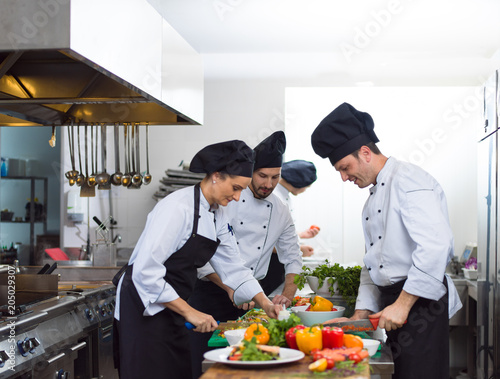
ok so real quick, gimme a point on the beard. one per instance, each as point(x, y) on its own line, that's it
point(258, 194)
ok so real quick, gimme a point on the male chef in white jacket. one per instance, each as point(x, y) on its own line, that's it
point(260, 222)
point(408, 242)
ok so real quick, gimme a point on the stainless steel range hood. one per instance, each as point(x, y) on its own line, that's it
point(100, 61)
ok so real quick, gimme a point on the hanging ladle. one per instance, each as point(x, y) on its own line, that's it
point(91, 179)
point(72, 174)
point(116, 178)
point(137, 177)
point(80, 178)
point(146, 179)
point(103, 177)
point(126, 178)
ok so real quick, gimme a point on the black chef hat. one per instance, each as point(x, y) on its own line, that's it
point(233, 157)
point(299, 173)
point(342, 132)
point(269, 153)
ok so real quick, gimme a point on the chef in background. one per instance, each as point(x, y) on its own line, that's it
point(260, 221)
point(183, 232)
point(296, 177)
point(408, 241)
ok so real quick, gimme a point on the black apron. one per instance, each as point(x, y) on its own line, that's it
point(157, 346)
point(420, 348)
point(209, 298)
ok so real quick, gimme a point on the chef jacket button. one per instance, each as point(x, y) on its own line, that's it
point(367, 218)
point(383, 184)
point(268, 205)
point(237, 243)
point(369, 268)
point(381, 266)
point(371, 244)
point(371, 193)
point(241, 222)
point(243, 200)
point(380, 210)
point(379, 237)
point(264, 226)
point(251, 268)
point(258, 248)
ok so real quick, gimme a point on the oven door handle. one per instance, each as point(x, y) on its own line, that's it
point(79, 346)
point(53, 359)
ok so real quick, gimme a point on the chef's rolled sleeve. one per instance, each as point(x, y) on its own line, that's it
point(368, 294)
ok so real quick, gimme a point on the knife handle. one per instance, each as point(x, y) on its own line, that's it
point(191, 326)
point(374, 322)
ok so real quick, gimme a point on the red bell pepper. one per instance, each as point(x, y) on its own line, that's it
point(291, 338)
point(333, 337)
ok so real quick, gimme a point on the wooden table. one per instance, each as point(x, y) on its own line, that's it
point(297, 369)
point(381, 367)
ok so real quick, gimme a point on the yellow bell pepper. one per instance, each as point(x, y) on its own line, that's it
point(321, 304)
point(258, 331)
point(309, 339)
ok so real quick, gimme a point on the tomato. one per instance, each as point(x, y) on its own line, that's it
point(334, 309)
point(235, 357)
point(317, 355)
point(319, 365)
point(355, 357)
point(314, 227)
point(330, 363)
point(308, 308)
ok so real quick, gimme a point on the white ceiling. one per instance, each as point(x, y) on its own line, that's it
point(390, 42)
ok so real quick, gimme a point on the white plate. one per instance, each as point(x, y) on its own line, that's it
point(286, 356)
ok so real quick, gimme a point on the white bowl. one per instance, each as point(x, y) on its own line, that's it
point(234, 336)
point(371, 346)
point(324, 290)
point(309, 318)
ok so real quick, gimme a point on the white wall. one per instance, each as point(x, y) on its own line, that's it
point(250, 111)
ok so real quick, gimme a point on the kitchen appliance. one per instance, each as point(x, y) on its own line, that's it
point(488, 281)
point(55, 65)
point(66, 336)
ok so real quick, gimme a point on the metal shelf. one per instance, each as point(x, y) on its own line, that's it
point(32, 221)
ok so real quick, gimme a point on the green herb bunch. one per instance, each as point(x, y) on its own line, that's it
point(278, 328)
point(347, 279)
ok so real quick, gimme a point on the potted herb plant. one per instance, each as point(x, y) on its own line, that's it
point(338, 280)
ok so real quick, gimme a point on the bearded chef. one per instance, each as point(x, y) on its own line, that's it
point(260, 222)
point(183, 232)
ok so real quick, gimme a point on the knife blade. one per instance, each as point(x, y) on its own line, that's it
point(363, 325)
point(225, 325)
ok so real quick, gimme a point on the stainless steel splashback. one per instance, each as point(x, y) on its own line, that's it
point(95, 61)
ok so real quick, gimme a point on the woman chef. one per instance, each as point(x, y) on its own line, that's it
point(182, 233)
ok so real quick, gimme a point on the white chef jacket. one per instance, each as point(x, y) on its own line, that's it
point(286, 197)
point(260, 225)
point(407, 236)
point(168, 227)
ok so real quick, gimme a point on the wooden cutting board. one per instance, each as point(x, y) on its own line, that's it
point(297, 369)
